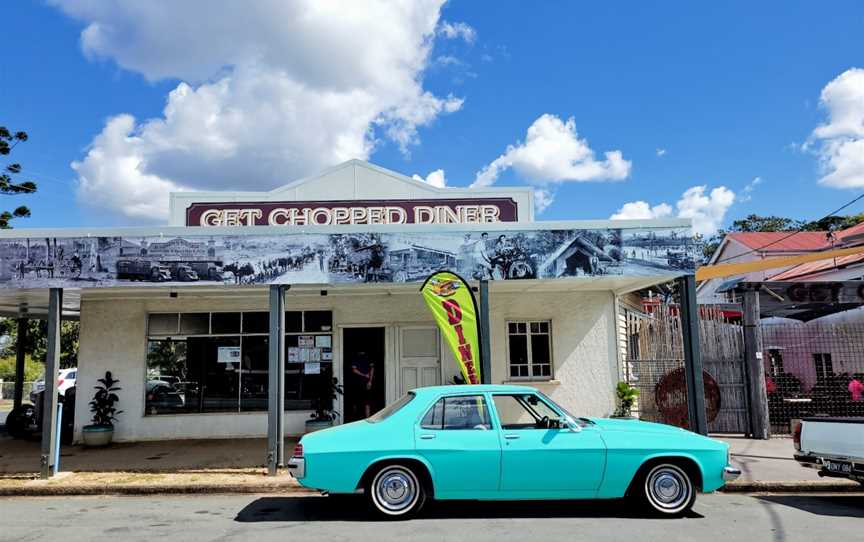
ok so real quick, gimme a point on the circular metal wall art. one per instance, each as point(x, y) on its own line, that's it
point(670, 395)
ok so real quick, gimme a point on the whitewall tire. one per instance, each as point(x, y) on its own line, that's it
point(395, 491)
point(668, 490)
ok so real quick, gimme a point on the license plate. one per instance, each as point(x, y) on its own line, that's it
point(839, 466)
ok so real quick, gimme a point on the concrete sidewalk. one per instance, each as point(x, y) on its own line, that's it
point(165, 456)
point(768, 465)
point(158, 467)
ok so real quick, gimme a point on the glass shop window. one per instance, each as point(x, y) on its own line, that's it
point(219, 362)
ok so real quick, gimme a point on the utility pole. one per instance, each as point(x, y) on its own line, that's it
point(760, 427)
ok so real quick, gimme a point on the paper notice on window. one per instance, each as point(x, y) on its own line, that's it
point(312, 368)
point(293, 354)
point(322, 341)
point(306, 341)
point(327, 356)
point(228, 354)
point(304, 355)
point(314, 354)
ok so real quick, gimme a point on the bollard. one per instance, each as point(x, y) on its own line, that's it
point(57, 441)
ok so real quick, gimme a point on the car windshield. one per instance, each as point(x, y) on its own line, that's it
point(581, 420)
point(390, 409)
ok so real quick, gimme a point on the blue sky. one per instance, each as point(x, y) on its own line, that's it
point(731, 92)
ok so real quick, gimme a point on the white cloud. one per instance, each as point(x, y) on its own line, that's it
point(271, 91)
point(458, 30)
point(749, 188)
point(552, 153)
point(707, 211)
point(435, 178)
point(114, 155)
point(661, 152)
point(642, 210)
point(841, 139)
point(543, 198)
point(448, 61)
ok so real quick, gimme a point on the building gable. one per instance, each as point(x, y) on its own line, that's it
point(354, 180)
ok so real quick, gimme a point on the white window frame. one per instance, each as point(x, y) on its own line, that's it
point(529, 334)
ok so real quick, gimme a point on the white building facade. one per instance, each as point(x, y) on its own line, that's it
point(180, 314)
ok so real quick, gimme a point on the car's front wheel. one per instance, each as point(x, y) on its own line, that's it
point(395, 491)
point(668, 490)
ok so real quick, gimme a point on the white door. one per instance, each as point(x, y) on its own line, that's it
point(419, 357)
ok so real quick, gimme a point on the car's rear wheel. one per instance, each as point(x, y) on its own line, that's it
point(668, 490)
point(395, 491)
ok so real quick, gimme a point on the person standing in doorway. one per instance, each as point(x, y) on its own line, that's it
point(363, 373)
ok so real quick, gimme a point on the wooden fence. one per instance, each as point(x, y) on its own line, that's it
point(653, 350)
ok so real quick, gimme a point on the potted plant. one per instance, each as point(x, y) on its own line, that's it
point(101, 431)
point(324, 414)
point(627, 395)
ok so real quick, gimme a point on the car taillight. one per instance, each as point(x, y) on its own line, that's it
point(298, 451)
point(796, 436)
point(60, 382)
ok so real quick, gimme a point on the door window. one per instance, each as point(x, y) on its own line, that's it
point(524, 411)
point(462, 412)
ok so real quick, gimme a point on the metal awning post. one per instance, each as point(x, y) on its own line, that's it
point(692, 355)
point(276, 390)
point(20, 359)
point(485, 340)
point(49, 397)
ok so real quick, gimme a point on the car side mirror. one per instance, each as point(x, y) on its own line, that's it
point(572, 426)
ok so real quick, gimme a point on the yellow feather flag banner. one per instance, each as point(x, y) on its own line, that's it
point(452, 303)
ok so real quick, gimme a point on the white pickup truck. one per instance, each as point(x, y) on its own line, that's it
point(833, 446)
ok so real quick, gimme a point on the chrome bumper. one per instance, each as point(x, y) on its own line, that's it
point(730, 473)
point(297, 467)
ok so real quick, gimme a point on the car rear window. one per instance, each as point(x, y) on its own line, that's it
point(391, 409)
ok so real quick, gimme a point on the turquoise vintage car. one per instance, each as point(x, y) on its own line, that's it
point(506, 442)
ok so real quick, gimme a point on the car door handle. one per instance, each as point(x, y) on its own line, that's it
point(511, 436)
point(427, 437)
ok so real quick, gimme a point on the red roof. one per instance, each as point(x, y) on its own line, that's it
point(810, 268)
point(858, 229)
point(783, 241)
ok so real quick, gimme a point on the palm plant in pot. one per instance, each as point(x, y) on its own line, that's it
point(626, 395)
point(324, 414)
point(101, 431)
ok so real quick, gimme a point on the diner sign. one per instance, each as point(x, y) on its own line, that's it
point(321, 213)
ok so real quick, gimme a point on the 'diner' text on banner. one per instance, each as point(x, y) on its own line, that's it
point(452, 304)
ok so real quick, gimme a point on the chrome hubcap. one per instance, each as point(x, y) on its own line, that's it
point(669, 488)
point(396, 489)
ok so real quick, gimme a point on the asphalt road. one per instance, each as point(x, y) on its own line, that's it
point(262, 518)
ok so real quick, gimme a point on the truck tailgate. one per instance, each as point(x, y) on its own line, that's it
point(837, 437)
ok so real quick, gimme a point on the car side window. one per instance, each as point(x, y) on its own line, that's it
point(458, 413)
point(434, 418)
point(524, 411)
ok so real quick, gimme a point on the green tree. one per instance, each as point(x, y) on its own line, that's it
point(834, 223)
point(8, 141)
point(32, 369)
point(756, 223)
point(37, 340)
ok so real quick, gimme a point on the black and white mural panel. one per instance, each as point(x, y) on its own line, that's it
point(82, 262)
